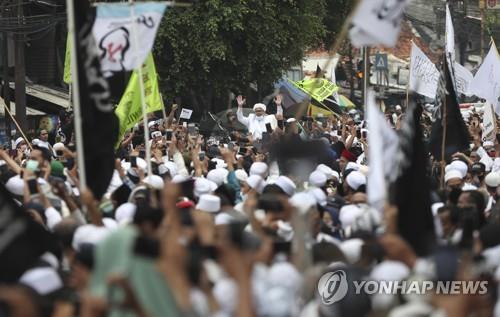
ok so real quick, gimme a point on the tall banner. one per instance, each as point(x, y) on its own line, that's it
point(463, 79)
point(129, 110)
point(317, 88)
point(424, 76)
point(377, 22)
point(486, 82)
point(67, 61)
point(113, 30)
point(489, 123)
point(381, 154)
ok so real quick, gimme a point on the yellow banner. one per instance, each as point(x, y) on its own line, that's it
point(67, 61)
point(317, 88)
point(129, 110)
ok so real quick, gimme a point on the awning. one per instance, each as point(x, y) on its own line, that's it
point(53, 96)
point(29, 111)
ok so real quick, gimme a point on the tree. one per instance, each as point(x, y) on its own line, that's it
point(337, 12)
point(215, 47)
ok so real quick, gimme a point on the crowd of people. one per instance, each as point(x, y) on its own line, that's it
point(246, 223)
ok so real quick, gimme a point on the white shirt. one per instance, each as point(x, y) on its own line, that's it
point(255, 125)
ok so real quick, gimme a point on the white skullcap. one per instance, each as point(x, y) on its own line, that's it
point(58, 146)
point(488, 144)
point(50, 259)
point(285, 230)
point(109, 223)
point(203, 186)
point(348, 214)
point(209, 203)
point(355, 179)
point(151, 123)
point(352, 166)
point(15, 185)
point(124, 214)
point(389, 270)
point(219, 163)
point(290, 120)
point(162, 169)
point(398, 107)
point(459, 166)
point(223, 218)
point(325, 170)
point(154, 181)
point(319, 195)
point(286, 184)
point(258, 168)
point(241, 175)
point(352, 249)
point(18, 140)
point(452, 174)
point(35, 141)
point(256, 182)
point(172, 168)
point(179, 178)
point(44, 280)
point(89, 234)
point(317, 179)
point(468, 186)
point(303, 202)
point(217, 176)
point(492, 179)
point(259, 105)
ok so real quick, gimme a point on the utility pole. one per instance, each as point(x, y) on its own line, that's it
point(20, 73)
point(366, 73)
point(6, 88)
point(482, 5)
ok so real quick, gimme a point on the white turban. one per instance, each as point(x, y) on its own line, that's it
point(259, 105)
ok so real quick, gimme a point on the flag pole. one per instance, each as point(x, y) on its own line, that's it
point(443, 143)
point(141, 89)
point(76, 95)
point(408, 81)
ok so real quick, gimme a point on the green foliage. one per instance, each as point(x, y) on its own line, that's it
point(217, 46)
point(337, 13)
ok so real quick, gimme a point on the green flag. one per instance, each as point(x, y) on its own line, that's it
point(318, 88)
point(67, 61)
point(129, 110)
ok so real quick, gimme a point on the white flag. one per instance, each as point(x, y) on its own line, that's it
point(377, 22)
point(114, 29)
point(489, 123)
point(335, 95)
point(381, 153)
point(424, 76)
point(463, 79)
point(486, 82)
point(450, 38)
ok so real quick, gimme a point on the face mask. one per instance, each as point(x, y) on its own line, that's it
point(261, 118)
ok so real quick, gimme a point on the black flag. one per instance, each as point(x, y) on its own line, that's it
point(411, 189)
point(22, 240)
point(457, 135)
point(99, 122)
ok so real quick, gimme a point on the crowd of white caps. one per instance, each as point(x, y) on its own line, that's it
point(327, 225)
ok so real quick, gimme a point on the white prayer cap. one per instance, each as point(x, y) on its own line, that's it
point(179, 178)
point(44, 280)
point(217, 175)
point(259, 105)
point(352, 249)
point(256, 182)
point(459, 166)
point(290, 120)
point(352, 166)
point(398, 107)
point(241, 175)
point(223, 218)
point(35, 141)
point(492, 179)
point(15, 185)
point(258, 168)
point(319, 195)
point(172, 168)
point(151, 123)
point(348, 214)
point(124, 214)
point(50, 259)
point(286, 184)
point(325, 170)
point(452, 174)
point(154, 181)
point(468, 186)
point(109, 223)
point(488, 144)
point(209, 203)
point(390, 271)
point(18, 140)
point(219, 163)
point(89, 234)
point(58, 146)
point(317, 179)
point(203, 186)
point(355, 179)
point(303, 202)
point(162, 169)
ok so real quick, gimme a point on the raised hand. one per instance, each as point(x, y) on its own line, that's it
point(240, 100)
